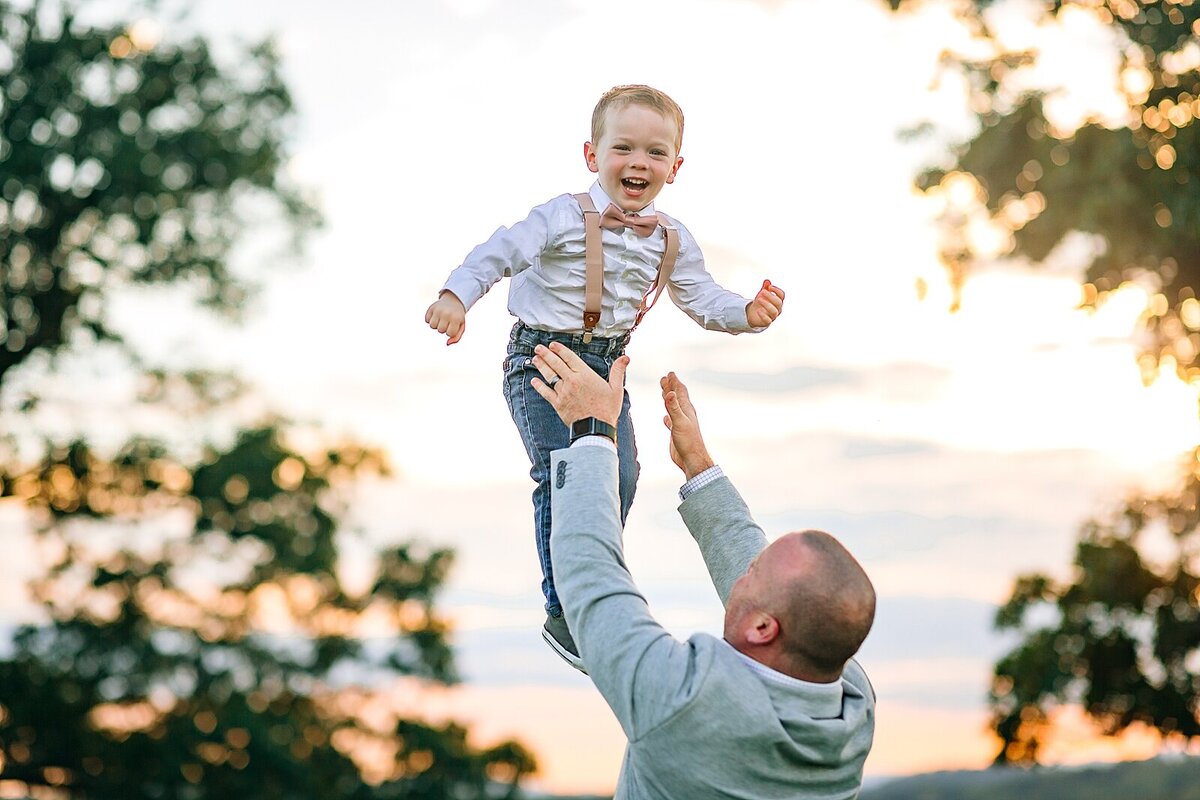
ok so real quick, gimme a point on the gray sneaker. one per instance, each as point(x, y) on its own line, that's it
point(558, 636)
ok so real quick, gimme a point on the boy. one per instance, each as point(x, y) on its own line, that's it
point(636, 134)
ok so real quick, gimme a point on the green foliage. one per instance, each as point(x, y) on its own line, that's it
point(197, 637)
point(1121, 637)
point(1160, 779)
point(123, 160)
point(1124, 634)
point(155, 676)
point(1134, 185)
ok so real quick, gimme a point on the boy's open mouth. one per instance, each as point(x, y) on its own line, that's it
point(634, 184)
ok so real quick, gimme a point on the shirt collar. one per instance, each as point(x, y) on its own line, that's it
point(783, 679)
point(602, 200)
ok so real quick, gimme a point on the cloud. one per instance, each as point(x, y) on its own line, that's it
point(793, 379)
point(933, 628)
point(856, 448)
point(912, 379)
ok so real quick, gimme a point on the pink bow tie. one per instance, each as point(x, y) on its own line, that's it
point(614, 219)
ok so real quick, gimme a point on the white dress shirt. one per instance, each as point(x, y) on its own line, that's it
point(544, 256)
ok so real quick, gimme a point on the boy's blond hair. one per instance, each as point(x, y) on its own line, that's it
point(637, 94)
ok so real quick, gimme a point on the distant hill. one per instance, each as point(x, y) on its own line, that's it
point(1166, 778)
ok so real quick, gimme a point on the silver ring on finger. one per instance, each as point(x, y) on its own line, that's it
point(553, 381)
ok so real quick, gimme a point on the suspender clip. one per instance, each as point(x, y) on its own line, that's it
point(590, 320)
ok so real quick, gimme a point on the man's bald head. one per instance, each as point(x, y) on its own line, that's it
point(827, 606)
point(803, 607)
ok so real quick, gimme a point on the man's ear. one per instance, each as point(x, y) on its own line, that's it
point(589, 156)
point(674, 170)
point(764, 629)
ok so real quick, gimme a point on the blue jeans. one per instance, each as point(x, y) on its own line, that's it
point(542, 431)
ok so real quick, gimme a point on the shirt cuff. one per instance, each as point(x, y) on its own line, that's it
point(597, 440)
point(463, 289)
point(713, 473)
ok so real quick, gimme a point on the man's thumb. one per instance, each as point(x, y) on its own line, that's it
point(616, 375)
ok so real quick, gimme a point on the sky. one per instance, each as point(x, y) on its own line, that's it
point(949, 451)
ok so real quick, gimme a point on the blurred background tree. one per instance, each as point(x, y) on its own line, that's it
point(1122, 194)
point(196, 635)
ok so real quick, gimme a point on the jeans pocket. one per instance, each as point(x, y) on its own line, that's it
point(518, 371)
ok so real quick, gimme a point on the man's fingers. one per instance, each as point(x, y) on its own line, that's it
point(672, 386)
point(685, 400)
point(557, 358)
point(674, 410)
point(571, 358)
point(547, 373)
point(545, 391)
point(561, 358)
point(668, 382)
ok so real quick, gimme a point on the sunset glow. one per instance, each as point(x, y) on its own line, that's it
point(953, 436)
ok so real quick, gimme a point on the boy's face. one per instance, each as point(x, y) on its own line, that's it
point(635, 156)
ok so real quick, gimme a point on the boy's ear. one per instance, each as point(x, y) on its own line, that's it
point(589, 156)
point(674, 170)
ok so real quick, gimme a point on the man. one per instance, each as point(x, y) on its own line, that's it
point(775, 709)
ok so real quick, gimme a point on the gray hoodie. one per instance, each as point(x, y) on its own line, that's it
point(702, 720)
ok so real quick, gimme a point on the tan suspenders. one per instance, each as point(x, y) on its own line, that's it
point(593, 285)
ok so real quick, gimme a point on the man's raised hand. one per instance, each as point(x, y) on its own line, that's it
point(687, 443)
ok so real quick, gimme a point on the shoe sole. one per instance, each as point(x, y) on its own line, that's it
point(563, 653)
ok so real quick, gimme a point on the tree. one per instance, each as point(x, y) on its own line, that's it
point(197, 636)
point(1124, 640)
